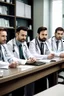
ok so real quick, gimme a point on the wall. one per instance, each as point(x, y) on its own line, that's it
point(46, 15)
point(37, 15)
point(41, 14)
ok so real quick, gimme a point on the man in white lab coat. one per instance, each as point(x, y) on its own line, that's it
point(20, 39)
point(42, 53)
point(56, 42)
point(5, 56)
point(26, 57)
point(35, 45)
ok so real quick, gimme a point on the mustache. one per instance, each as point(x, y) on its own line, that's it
point(59, 38)
point(22, 40)
point(43, 40)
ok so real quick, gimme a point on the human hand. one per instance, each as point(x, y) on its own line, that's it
point(31, 60)
point(13, 65)
point(62, 55)
point(51, 56)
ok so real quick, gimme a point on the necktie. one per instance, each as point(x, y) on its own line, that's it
point(42, 48)
point(57, 42)
point(21, 52)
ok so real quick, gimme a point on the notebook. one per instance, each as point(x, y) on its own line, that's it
point(36, 63)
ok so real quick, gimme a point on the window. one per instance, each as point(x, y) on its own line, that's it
point(56, 15)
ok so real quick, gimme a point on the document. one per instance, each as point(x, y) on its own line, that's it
point(55, 59)
point(46, 60)
point(4, 65)
point(25, 67)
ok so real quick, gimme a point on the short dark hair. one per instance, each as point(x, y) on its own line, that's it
point(41, 29)
point(21, 28)
point(59, 29)
point(3, 29)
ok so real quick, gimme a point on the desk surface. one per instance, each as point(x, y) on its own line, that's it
point(16, 78)
point(13, 73)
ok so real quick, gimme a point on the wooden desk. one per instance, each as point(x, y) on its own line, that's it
point(16, 78)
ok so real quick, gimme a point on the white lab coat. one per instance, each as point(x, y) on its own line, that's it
point(35, 50)
point(8, 58)
point(53, 46)
point(12, 46)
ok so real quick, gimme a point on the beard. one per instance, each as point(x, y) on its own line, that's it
point(42, 40)
point(3, 42)
point(23, 40)
point(59, 38)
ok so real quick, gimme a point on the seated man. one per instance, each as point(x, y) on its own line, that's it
point(4, 53)
point(19, 49)
point(39, 47)
point(56, 44)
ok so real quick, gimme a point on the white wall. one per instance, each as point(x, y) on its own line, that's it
point(46, 14)
point(42, 15)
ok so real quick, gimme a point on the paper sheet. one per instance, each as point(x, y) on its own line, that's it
point(46, 60)
point(49, 60)
point(4, 65)
point(25, 67)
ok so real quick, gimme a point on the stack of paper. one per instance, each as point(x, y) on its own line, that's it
point(4, 64)
point(27, 11)
point(0, 9)
point(25, 67)
point(8, 1)
point(4, 22)
point(19, 9)
point(46, 60)
point(1, 0)
point(3, 10)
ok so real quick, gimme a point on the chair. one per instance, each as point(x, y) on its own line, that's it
point(61, 77)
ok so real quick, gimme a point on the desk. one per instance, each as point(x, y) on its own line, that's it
point(16, 78)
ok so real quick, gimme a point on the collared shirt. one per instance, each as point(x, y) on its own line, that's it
point(18, 43)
